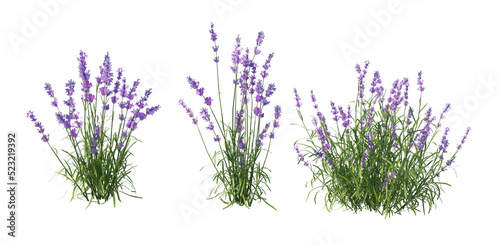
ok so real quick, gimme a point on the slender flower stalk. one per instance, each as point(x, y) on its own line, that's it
point(97, 162)
point(383, 156)
point(241, 176)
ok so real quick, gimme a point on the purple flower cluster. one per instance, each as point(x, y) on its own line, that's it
point(213, 37)
point(420, 82)
point(38, 125)
point(263, 135)
point(277, 115)
point(266, 66)
point(189, 111)
point(444, 143)
point(396, 97)
point(463, 139)
point(297, 98)
point(424, 133)
point(392, 175)
point(240, 117)
point(363, 159)
point(369, 140)
point(235, 57)
point(85, 76)
point(199, 90)
point(301, 157)
point(95, 141)
point(205, 115)
point(313, 99)
point(445, 110)
point(377, 88)
point(361, 77)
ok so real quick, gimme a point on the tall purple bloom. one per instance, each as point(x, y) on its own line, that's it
point(420, 82)
point(363, 159)
point(106, 77)
point(239, 120)
point(189, 112)
point(277, 115)
point(392, 175)
point(297, 98)
point(266, 66)
point(235, 57)
point(38, 125)
point(464, 138)
point(85, 76)
point(313, 99)
point(260, 39)
point(334, 111)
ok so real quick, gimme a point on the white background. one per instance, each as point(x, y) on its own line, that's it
point(456, 44)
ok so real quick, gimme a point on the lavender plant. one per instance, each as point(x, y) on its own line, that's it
point(101, 140)
point(241, 177)
point(383, 155)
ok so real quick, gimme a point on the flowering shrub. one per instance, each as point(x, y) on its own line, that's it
point(101, 140)
point(384, 155)
point(240, 176)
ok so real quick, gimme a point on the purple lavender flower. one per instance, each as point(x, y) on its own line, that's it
point(124, 88)
point(54, 102)
point(394, 136)
point(204, 114)
point(121, 117)
point(270, 90)
point(217, 138)
point(106, 77)
point(208, 101)
point(73, 133)
point(45, 138)
point(38, 125)
point(258, 112)
point(189, 111)
point(406, 83)
point(95, 140)
point(85, 76)
point(444, 143)
point(239, 120)
point(363, 159)
point(297, 98)
point(241, 145)
point(420, 82)
point(369, 139)
point(313, 99)
point(464, 138)
point(301, 157)
point(210, 126)
point(362, 74)
point(152, 110)
point(445, 110)
point(131, 123)
point(213, 35)
point(266, 66)
point(263, 135)
point(277, 115)
point(131, 94)
point(260, 38)
point(120, 144)
point(334, 111)
point(392, 175)
point(235, 56)
point(271, 135)
point(410, 115)
point(70, 87)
